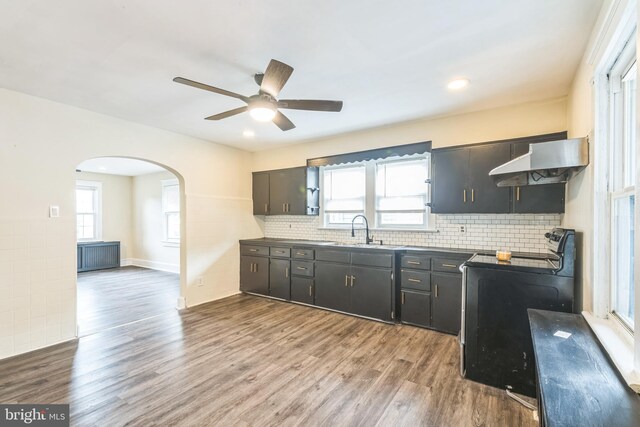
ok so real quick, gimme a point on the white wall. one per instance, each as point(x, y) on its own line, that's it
point(41, 144)
point(116, 209)
point(149, 249)
point(489, 125)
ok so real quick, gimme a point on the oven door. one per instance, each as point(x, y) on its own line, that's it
point(462, 335)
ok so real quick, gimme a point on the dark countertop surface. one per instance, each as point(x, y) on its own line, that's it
point(578, 384)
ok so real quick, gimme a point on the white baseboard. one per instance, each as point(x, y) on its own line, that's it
point(155, 265)
point(125, 262)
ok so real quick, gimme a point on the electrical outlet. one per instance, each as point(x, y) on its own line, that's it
point(463, 229)
point(200, 281)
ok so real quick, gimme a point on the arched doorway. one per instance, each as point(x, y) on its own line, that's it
point(130, 217)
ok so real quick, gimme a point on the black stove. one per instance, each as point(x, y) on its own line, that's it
point(495, 340)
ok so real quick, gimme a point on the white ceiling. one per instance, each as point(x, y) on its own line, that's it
point(119, 166)
point(389, 61)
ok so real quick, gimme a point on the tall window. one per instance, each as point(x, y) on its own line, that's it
point(391, 193)
point(171, 210)
point(88, 210)
point(622, 185)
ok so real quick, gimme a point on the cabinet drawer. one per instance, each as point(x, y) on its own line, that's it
point(333, 256)
point(254, 250)
point(303, 253)
point(372, 260)
point(302, 268)
point(280, 252)
point(415, 279)
point(447, 264)
point(415, 261)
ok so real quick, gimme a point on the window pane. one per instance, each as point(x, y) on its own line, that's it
point(85, 200)
point(173, 225)
point(171, 198)
point(344, 190)
point(401, 218)
point(344, 218)
point(85, 226)
point(629, 150)
point(623, 255)
point(405, 178)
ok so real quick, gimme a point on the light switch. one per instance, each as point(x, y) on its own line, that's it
point(54, 211)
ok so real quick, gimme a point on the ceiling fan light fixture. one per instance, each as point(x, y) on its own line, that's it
point(458, 84)
point(262, 111)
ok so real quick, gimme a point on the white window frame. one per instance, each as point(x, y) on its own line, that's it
point(370, 196)
point(623, 65)
point(96, 187)
point(165, 212)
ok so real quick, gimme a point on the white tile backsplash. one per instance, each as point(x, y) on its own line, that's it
point(514, 232)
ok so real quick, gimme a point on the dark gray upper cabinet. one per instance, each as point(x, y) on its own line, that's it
point(292, 191)
point(260, 193)
point(461, 182)
point(547, 198)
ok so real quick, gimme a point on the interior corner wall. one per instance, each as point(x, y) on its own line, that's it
point(116, 209)
point(533, 118)
point(149, 248)
point(38, 159)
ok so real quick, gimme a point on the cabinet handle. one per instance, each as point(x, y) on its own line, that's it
point(464, 195)
point(253, 250)
point(518, 194)
point(301, 268)
point(284, 207)
point(450, 265)
point(286, 272)
point(251, 267)
point(301, 253)
point(473, 195)
point(352, 279)
point(411, 279)
point(402, 298)
point(346, 280)
point(310, 286)
point(413, 262)
point(288, 208)
point(256, 269)
point(436, 291)
point(266, 208)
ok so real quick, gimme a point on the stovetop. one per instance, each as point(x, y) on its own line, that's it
point(536, 264)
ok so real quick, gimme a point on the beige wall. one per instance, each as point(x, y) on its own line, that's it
point(489, 125)
point(149, 250)
point(116, 209)
point(41, 144)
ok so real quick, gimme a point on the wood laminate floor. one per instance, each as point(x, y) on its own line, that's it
point(114, 297)
point(251, 361)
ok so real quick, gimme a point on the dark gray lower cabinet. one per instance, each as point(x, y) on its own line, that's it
point(279, 278)
point(254, 274)
point(371, 292)
point(416, 308)
point(332, 286)
point(302, 290)
point(446, 303)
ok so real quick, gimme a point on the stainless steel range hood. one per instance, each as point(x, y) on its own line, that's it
point(545, 163)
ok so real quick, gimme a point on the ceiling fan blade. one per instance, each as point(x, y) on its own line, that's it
point(209, 88)
point(282, 121)
point(310, 104)
point(226, 114)
point(275, 77)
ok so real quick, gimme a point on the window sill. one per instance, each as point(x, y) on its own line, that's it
point(168, 244)
point(618, 343)
point(411, 230)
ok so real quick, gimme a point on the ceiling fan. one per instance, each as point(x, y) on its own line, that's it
point(264, 106)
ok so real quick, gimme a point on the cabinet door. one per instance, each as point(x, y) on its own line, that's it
point(302, 290)
point(254, 275)
point(332, 286)
point(371, 292)
point(449, 181)
point(446, 302)
point(260, 193)
point(415, 308)
point(483, 195)
point(547, 198)
point(279, 278)
point(296, 191)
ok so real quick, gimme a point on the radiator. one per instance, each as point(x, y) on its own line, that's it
point(98, 255)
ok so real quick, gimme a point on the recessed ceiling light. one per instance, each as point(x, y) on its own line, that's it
point(458, 84)
point(248, 133)
point(102, 168)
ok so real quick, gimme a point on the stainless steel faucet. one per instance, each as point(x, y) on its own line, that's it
point(366, 225)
